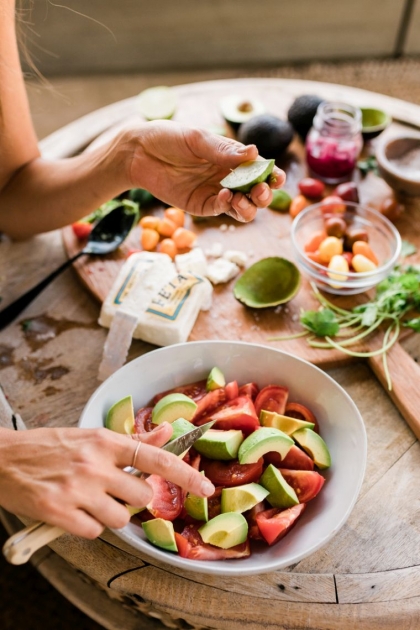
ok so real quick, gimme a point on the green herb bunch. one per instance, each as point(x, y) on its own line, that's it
point(397, 297)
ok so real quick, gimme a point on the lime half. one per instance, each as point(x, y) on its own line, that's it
point(247, 175)
point(157, 102)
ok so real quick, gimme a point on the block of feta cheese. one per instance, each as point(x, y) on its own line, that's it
point(236, 256)
point(193, 261)
point(222, 270)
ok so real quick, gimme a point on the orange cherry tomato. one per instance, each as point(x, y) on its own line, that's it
point(315, 257)
point(176, 215)
point(298, 204)
point(315, 241)
point(361, 247)
point(167, 246)
point(183, 238)
point(166, 227)
point(149, 222)
point(149, 239)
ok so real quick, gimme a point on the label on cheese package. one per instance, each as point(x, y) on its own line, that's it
point(170, 299)
point(139, 266)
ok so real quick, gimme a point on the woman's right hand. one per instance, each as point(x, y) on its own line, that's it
point(74, 478)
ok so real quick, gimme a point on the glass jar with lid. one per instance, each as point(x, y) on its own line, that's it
point(335, 141)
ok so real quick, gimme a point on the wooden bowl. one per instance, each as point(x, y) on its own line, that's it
point(399, 163)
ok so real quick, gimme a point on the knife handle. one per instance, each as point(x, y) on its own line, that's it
point(20, 547)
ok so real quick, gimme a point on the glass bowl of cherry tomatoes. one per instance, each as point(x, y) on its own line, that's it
point(344, 247)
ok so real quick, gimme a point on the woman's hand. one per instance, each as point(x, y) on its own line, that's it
point(183, 166)
point(72, 478)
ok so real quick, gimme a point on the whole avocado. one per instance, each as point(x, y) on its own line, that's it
point(270, 134)
point(302, 112)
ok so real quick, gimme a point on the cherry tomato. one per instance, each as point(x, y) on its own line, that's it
point(315, 241)
point(166, 227)
point(82, 229)
point(143, 420)
point(274, 524)
point(295, 459)
point(348, 191)
point(300, 412)
point(232, 390)
point(333, 205)
point(272, 398)
point(176, 215)
point(306, 483)
point(298, 204)
point(312, 188)
point(167, 500)
point(391, 209)
point(232, 473)
point(190, 545)
point(249, 389)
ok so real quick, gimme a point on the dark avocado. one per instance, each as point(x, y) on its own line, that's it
point(270, 134)
point(302, 112)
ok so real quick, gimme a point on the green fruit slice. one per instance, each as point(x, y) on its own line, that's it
point(161, 534)
point(281, 494)
point(197, 507)
point(215, 380)
point(283, 423)
point(281, 201)
point(225, 530)
point(180, 427)
point(172, 407)
point(242, 498)
point(120, 417)
point(247, 175)
point(269, 282)
point(216, 444)
point(157, 102)
point(237, 109)
point(315, 446)
point(262, 441)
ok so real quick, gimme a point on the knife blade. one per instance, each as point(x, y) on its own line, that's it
point(20, 547)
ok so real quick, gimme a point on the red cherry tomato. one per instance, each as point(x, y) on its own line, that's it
point(274, 524)
point(190, 545)
point(312, 188)
point(295, 459)
point(272, 398)
point(231, 473)
point(306, 483)
point(82, 229)
point(348, 191)
point(167, 500)
point(333, 205)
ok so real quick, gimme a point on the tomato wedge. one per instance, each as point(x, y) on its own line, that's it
point(190, 545)
point(193, 390)
point(214, 502)
point(249, 389)
point(306, 483)
point(231, 473)
point(167, 500)
point(209, 402)
point(253, 530)
point(143, 420)
point(235, 414)
point(272, 398)
point(295, 459)
point(274, 524)
point(300, 412)
point(232, 390)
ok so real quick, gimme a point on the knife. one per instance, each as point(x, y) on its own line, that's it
point(20, 547)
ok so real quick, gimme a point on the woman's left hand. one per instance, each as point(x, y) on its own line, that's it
point(183, 166)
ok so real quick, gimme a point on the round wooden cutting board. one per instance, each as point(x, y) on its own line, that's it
point(269, 233)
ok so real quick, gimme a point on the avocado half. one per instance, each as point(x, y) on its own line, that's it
point(269, 282)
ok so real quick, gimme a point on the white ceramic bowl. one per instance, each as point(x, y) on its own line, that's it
point(341, 426)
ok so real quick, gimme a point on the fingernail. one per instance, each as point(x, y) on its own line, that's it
point(246, 149)
point(207, 488)
point(264, 196)
point(243, 203)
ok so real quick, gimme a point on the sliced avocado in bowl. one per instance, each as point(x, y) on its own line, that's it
point(283, 423)
point(215, 380)
point(161, 533)
point(225, 530)
point(197, 507)
point(282, 495)
point(242, 498)
point(268, 282)
point(315, 446)
point(216, 444)
point(247, 175)
point(173, 406)
point(262, 441)
point(120, 417)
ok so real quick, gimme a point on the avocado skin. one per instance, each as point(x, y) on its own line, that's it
point(301, 113)
point(270, 134)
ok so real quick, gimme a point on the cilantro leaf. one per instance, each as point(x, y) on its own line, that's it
point(322, 323)
point(414, 324)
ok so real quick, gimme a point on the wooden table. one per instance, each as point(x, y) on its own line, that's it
point(368, 575)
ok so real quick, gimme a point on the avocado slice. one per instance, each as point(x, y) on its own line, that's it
point(283, 423)
point(225, 530)
point(282, 495)
point(216, 444)
point(180, 427)
point(173, 406)
point(315, 446)
point(247, 175)
point(161, 533)
point(215, 380)
point(236, 109)
point(242, 498)
point(120, 417)
point(264, 441)
point(197, 507)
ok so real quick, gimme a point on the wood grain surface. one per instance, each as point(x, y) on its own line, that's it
point(267, 235)
point(367, 576)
